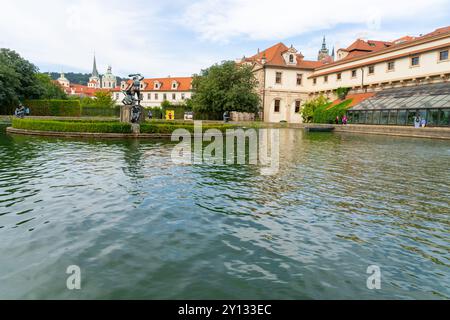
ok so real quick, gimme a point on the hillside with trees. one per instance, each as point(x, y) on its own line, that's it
point(76, 78)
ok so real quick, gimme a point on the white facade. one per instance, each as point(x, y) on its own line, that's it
point(403, 63)
point(398, 66)
point(155, 91)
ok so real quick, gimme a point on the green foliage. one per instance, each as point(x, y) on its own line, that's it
point(225, 87)
point(100, 111)
point(72, 126)
point(342, 92)
point(310, 107)
point(325, 114)
point(17, 79)
point(101, 100)
point(49, 90)
point(57, 108)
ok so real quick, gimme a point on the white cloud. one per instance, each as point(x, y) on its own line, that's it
point(126, 35)
point(223, 20)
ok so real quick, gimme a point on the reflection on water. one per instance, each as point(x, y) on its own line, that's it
point(141, 227)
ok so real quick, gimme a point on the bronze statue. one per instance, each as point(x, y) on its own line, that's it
point(133, 97)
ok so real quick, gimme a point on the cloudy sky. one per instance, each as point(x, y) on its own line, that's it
point(180, 37)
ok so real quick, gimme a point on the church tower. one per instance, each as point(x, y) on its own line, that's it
point(109, 81)
point(324, 53)
point(94, 80)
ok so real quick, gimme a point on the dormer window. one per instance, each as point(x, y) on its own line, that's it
point(157, 85)
point(174, 85)
point(291, 58)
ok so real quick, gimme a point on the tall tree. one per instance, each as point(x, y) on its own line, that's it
point(18, 78)
point(48, 89)
point(225, 87)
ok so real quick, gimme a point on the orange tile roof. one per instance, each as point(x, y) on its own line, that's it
point(274, 57)
point(379, 50)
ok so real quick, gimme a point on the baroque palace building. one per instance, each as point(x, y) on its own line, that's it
point(155, 91)
point(287, 80)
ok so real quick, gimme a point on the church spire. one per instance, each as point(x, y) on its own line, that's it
point(324, 52)
point(324, 44)
point(94, 69)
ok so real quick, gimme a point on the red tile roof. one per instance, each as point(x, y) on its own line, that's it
point(388, 46)
point(274, 57)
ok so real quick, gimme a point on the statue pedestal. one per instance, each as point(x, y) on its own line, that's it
point(135, 128)
point(125, 114)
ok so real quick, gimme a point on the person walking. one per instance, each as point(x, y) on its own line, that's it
point(344, 120)
point(337, 120)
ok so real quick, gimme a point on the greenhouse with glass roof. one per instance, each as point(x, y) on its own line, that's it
point(400, 106)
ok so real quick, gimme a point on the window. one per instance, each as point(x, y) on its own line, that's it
point(443, 55)
point(156, 96)
point(164, 96)
point(117, 96)
point(149, 96)
point(371, 69)
point(174, 85)
point(277, 106)
point(315, 81)
point(183, 96)
point(415, 61)
point(339, 76)
point(325, 79)
point(391, 66)
point(291, 58)
point(297, 106)
point(299, 79)
point(353, 73)
point(174, 96)
point(278, 78)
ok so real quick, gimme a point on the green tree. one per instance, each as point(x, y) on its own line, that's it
point(225, 87)
point(48, 89)
point(311, 106)
point(101, 99)
point(17, 78)
point(104, 99)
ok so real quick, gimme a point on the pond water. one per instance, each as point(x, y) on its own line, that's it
point(142, 227)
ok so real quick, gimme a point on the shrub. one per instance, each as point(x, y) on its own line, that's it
point(59, 108)
point(310, 107)
point(100, 111)
point(327, 114)
point(72, 126)
point(342, 92)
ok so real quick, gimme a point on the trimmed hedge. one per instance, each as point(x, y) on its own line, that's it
point(57, 108)
point(7, 110)
point(72, 126)
point(325, 114)
point(100, 111)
